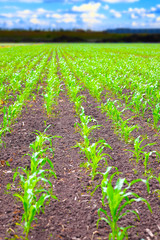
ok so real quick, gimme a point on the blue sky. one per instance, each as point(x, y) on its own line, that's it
point(71, 14)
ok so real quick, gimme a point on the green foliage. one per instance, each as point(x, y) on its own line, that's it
point(78, 103)
point(156, 115)
point(34, 181)
point(94, 154)
point(138, 149)
point(117, 198)
point(83, 126)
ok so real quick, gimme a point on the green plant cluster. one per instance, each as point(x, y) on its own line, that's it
point(37, 189)
point(11, 112)
point(53, 88)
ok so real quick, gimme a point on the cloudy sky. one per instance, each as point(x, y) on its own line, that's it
point(81, 14)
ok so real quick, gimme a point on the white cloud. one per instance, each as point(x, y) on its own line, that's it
point(91, 19)
point(158, 19)
point(66, 18)
point(153, 9)
point(89, 14)
point(6, 23)
point(89, 7)
point(106, 7)
point(55, 15)
point(136, 13)
point(147, 24)
point(41, 10)
point(138, 25)
point(24, 14)
point(134, 24)
point(41, 23)
point(120, 1)
point(133, 16)
point(34, 21)
point(7, 15)
point(150, 15)
point(41, 16)
point(115, 13)
point(137, 10)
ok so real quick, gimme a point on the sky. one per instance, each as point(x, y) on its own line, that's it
point(79, 14)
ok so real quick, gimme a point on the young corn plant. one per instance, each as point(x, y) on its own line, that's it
point(113, 113)
point(121, 126)
point(83, 127)
point(146, 160)
point(78, 103)
point(50, 101)
point(95, 90)
point(158, 179)
point(117, 198)
point(94, 154)
point(158, 156)
point(4, 127)
point(33, 197)
point(138, 149)
point(74, 90)
point(137, 101)
point(158, 190)
point(34, 180)
point(125, 131)
point(156, 116)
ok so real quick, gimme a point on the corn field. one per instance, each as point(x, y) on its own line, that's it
point(80, 141)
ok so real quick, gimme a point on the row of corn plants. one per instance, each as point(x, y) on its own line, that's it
point(13, 111)
point(114, 110)
point(53, 88)
point(111, 196)
point(35, 182)
point(92, 151)
point(120, 196)
point(13, 80)
point(116, 197)
point(144, 93)
point(111, 108)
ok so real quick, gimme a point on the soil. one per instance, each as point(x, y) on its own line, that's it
point(74, 216)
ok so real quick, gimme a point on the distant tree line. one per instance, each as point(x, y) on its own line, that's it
point(78, 35)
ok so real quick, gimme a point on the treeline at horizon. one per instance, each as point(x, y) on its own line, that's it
point(76, 35)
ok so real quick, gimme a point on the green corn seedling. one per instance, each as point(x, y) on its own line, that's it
point(50, 100)
point(94, 155)
point(158, 179)
point(156, 115)
point(78, 103)
point(138, 149)
point(118, 198)
point(125, 130)
point(84, 129)
point(33, 197)
point(145, 160)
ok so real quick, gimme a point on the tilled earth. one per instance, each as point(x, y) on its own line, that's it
point(74, 216)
